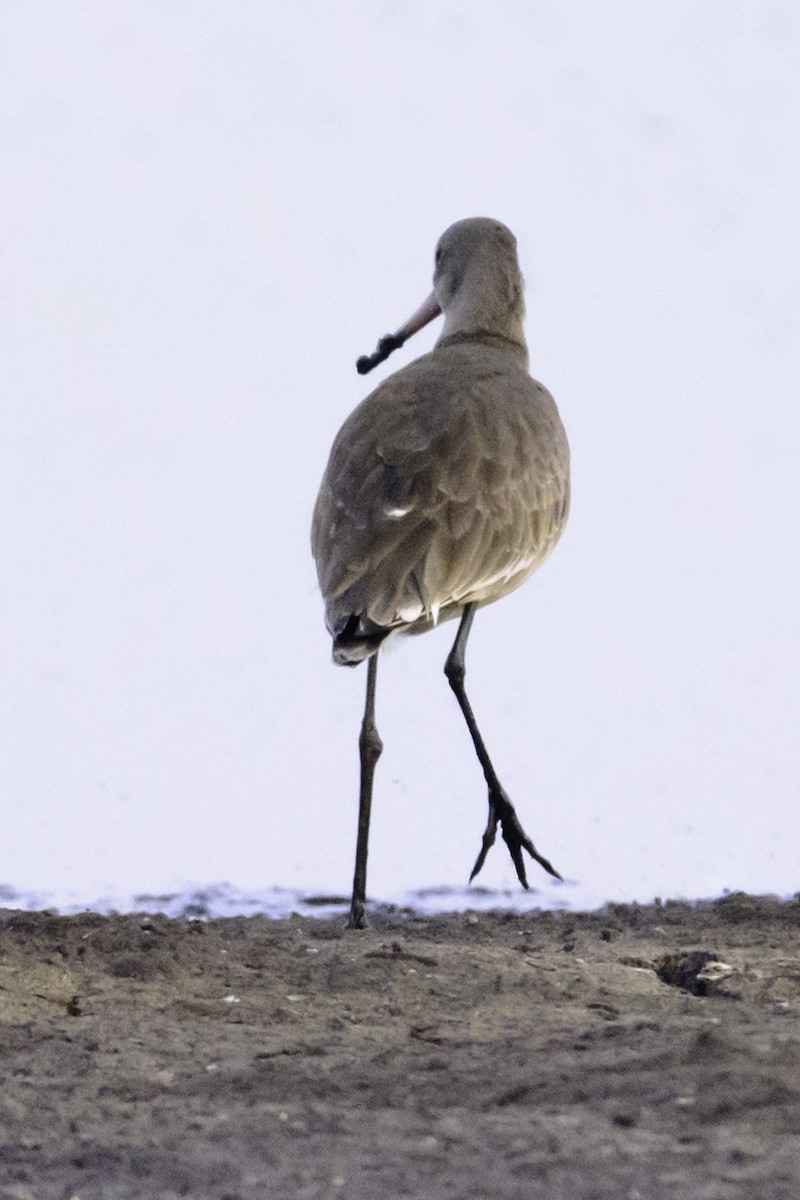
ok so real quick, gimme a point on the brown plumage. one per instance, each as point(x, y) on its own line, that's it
point(445, 489)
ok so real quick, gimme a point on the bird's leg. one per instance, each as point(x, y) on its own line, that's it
point(370, 747)
point(500, 807)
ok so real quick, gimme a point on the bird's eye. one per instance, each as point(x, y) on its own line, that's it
point(438, 255)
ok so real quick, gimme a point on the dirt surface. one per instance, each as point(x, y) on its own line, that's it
point(634, 1053)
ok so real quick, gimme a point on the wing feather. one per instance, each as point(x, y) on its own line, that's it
point(447, 484)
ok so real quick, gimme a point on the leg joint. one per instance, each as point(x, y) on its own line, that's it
point(455, 671)
point(369, 742)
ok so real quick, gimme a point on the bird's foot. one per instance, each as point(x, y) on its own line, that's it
point(502, 811)
point(356, 918)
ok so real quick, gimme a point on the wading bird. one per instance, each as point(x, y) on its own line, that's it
point(445, 489)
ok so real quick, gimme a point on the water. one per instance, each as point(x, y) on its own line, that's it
point(225, 900)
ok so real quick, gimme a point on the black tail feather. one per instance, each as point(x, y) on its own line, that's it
point(357, 639)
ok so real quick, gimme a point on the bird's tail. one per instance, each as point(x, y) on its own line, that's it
point(356, 639)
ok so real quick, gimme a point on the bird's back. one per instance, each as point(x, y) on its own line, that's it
point(448, 484)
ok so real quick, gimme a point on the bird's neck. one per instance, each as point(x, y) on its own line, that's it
point(515, 347)
point(492, 310)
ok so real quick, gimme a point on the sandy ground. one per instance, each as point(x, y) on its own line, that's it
point(494, 1055)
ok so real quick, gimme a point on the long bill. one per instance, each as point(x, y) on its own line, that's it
point(393, 341)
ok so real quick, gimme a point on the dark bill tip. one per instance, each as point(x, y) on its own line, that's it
point(386, 346)
point(393, 341)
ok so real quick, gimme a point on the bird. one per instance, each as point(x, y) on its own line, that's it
point(445, 489)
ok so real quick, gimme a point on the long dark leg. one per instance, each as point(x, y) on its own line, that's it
point(370, 747)
point(500, 807)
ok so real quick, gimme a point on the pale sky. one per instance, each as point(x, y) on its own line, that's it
point(209, 212)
